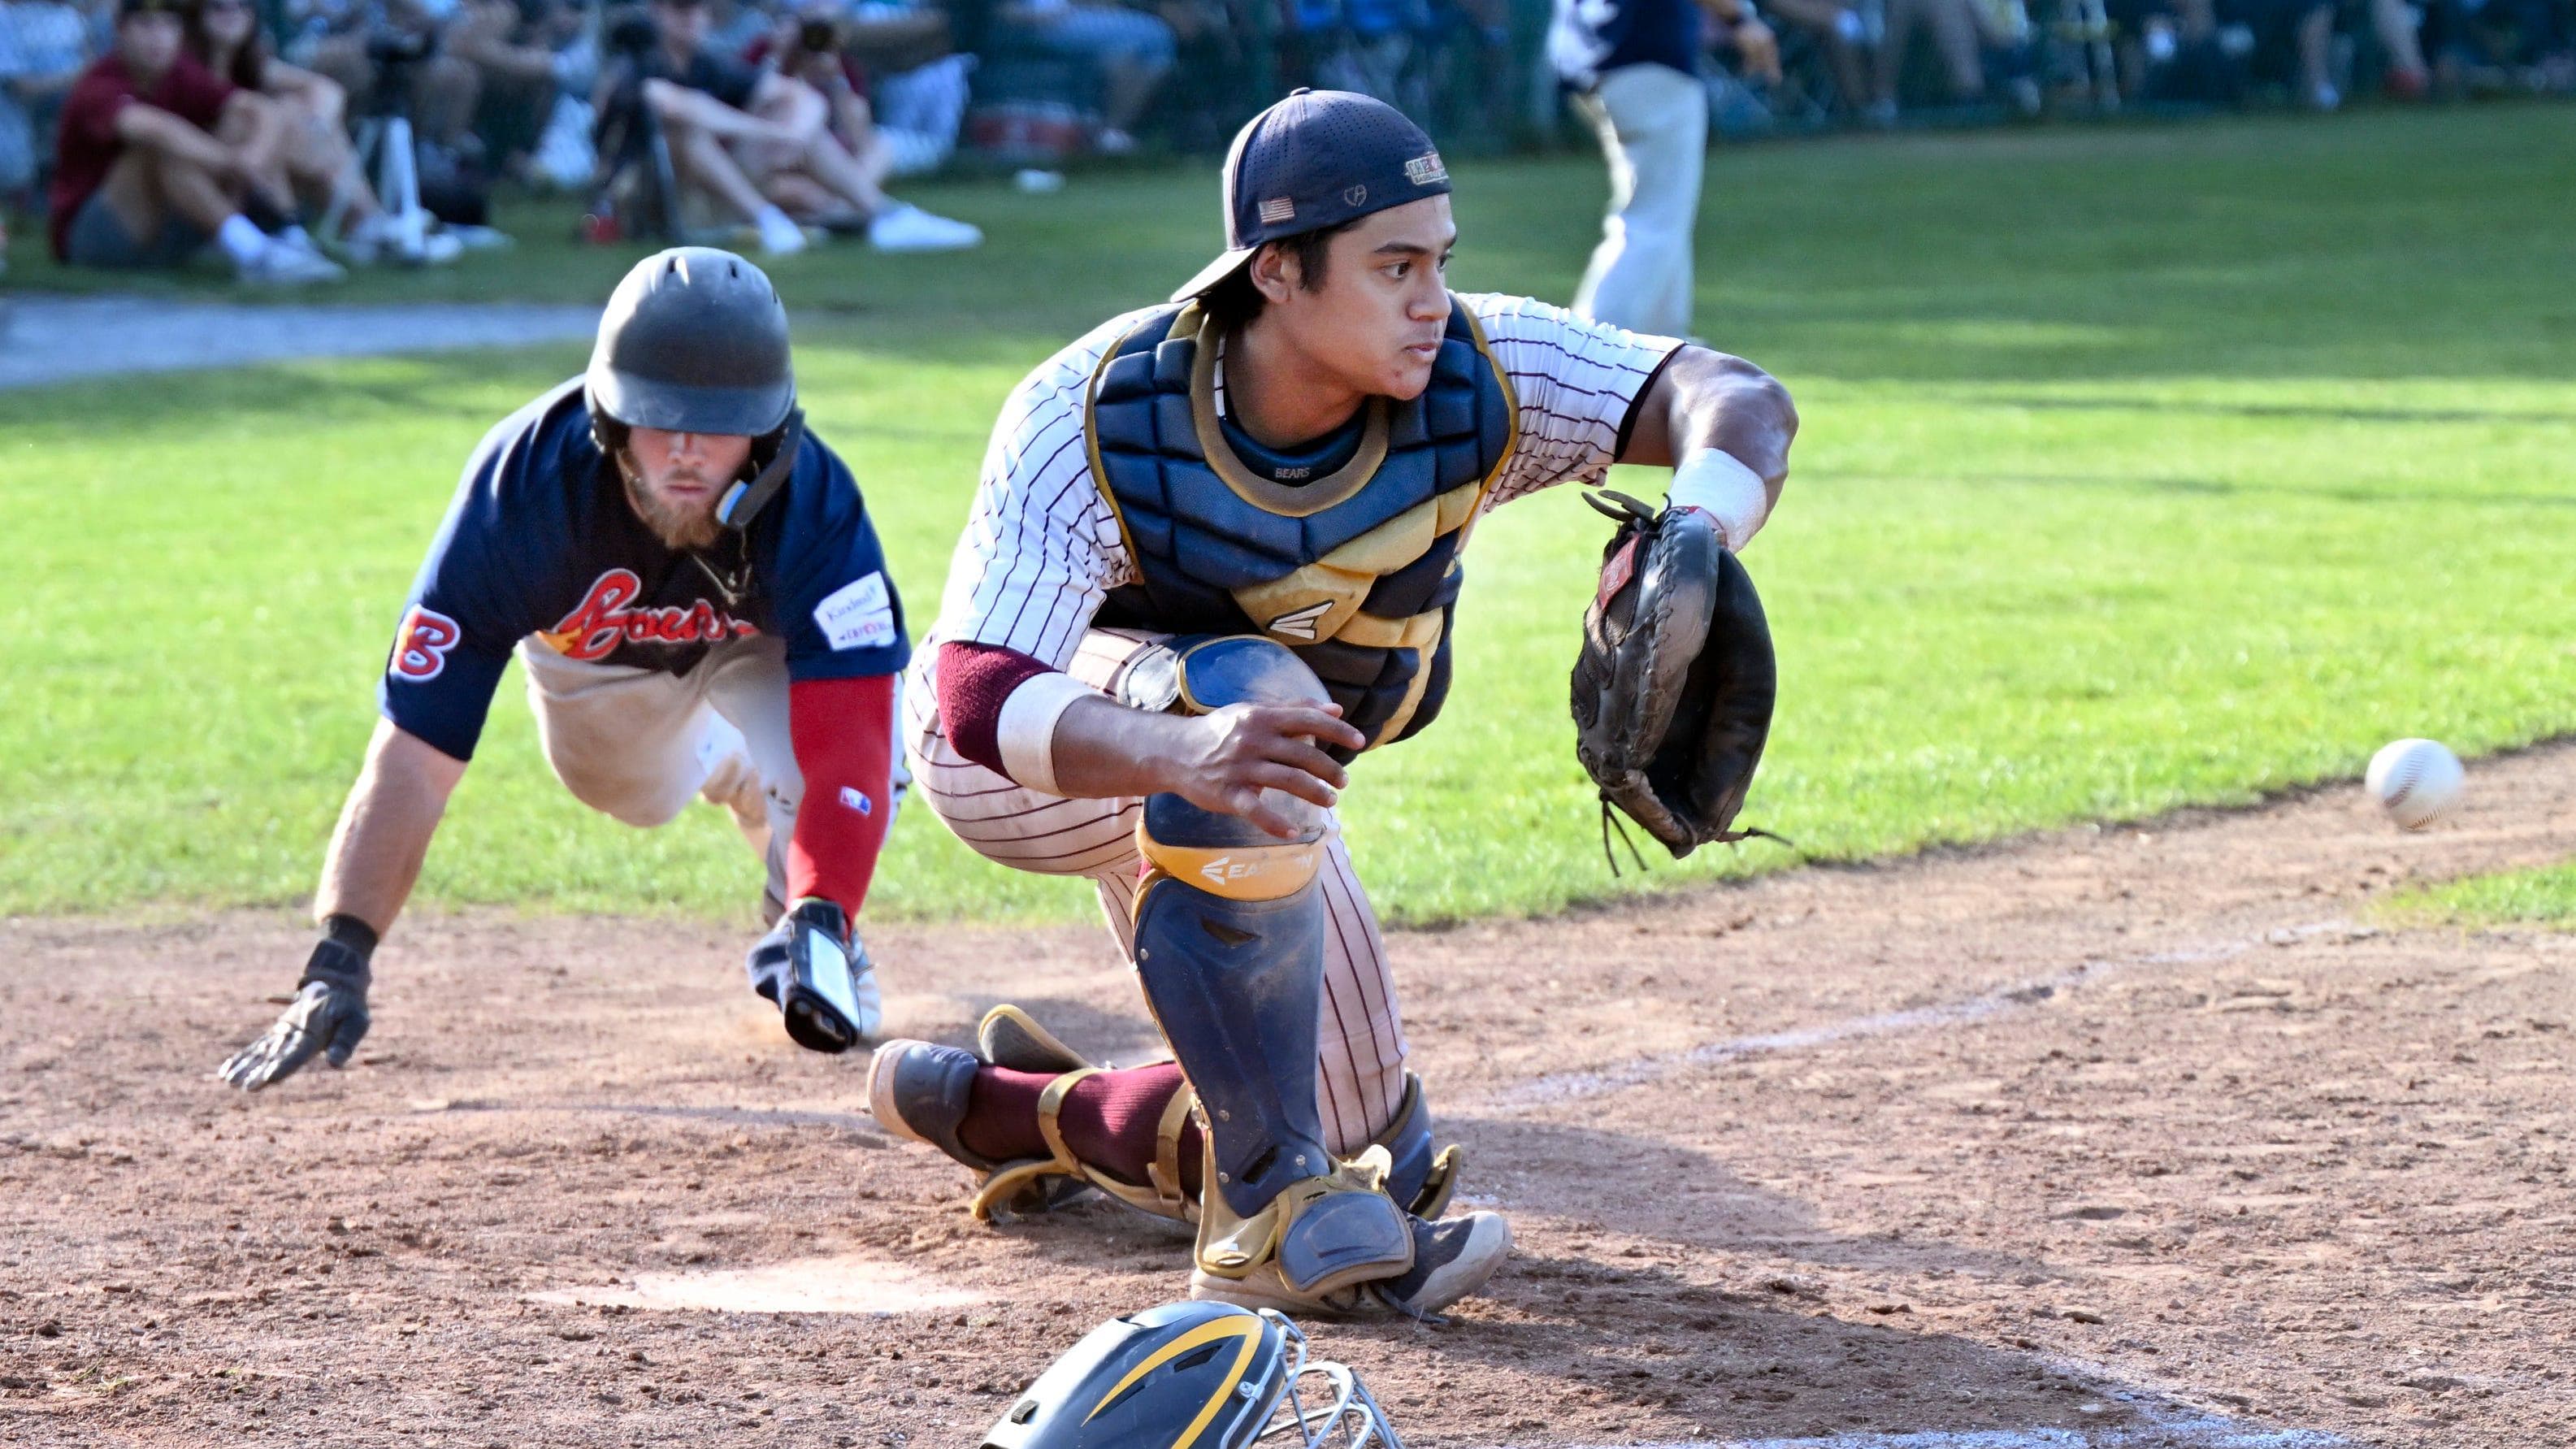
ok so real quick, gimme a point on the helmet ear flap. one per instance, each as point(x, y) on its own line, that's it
point(772, 461)
point(608, 433)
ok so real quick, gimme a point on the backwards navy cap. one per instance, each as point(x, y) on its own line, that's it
point(1317, 159)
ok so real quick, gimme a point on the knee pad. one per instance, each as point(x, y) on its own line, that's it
point(1222, 854)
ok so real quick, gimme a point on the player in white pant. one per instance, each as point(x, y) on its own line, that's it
point(1215, 555)
point(1360, 1071)
point(1633, 66)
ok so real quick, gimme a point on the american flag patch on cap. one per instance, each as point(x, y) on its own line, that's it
point(1277, 209)
point(1425, 169)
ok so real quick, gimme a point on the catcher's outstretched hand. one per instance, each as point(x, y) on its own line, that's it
point(328, 1017)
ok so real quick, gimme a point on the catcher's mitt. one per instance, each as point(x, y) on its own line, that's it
point(1673, 689)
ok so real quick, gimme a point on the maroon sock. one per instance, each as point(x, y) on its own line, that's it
point(1113, 1120)
point(1002, 1114)
point(1109, 1121)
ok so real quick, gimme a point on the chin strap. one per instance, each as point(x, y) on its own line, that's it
point(744, 500)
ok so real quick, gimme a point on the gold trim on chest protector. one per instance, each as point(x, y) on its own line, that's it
point(1306, 499)
point(1318, 601)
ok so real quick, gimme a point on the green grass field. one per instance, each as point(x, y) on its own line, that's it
point(2142, 466)
point(2545, 897)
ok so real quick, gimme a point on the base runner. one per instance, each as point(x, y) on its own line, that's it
point(1215, 556)
point(693, 586)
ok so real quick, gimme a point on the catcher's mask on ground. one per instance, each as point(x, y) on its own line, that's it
point(1193, 1376)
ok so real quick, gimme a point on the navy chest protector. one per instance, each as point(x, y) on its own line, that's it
point(1355, 571)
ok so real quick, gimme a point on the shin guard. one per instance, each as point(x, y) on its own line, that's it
point(1230, 951)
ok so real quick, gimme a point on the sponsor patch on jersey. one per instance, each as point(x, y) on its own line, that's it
point(858, 615)
point(1426, 169)
point(421, 645)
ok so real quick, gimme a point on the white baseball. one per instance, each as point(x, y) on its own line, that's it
point(2417, 780)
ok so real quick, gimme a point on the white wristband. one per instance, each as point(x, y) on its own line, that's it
point(1025, 733)
point(1720, 485)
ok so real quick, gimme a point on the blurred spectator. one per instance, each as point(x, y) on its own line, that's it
point(917, 80)
point(759, 143)
point(816, 44)
point(313, 161)
point(526, 55)
point(1838, 36)
point(804, 43)
point(2501, 45)
point(387, 54)
point(1366, 46)
point(158, 155)
point(1961, 33)
point(1130, 50)
point(43, 44)
point(734, 25)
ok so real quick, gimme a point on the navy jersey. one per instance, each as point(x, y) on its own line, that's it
point(541, 541)
point(1590, 38)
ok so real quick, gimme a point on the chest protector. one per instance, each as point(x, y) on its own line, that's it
point(1356, 571)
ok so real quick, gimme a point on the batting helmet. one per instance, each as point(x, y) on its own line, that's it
point(695, 341)
point(1193, 1376)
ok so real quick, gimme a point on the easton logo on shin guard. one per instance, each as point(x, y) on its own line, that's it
point(1259, 875)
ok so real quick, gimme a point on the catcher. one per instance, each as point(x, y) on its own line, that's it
point(695, 592)
point(1214, 557)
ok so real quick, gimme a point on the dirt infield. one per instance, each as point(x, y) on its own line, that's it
point(2128, 1136)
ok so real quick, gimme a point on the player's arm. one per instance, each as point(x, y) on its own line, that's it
point(1221, 761)
point(843, 734)
point(374, 860)
point(447, 658)
point(1724, 426)
point(1039, 556)
point(1042, 728)
point(385, 827)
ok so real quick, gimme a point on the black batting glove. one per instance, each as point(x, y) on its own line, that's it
point(328, 1015)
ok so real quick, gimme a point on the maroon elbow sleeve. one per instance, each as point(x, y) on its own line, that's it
point(974, 679)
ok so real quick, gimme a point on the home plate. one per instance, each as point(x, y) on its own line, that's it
point(808, 1285)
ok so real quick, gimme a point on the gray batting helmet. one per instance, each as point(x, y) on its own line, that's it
point(694, 341)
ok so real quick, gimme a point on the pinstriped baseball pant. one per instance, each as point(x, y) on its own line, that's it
point(1360, 1065)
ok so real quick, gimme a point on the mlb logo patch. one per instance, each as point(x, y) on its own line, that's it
point(1278, 209)
point(1426, 169)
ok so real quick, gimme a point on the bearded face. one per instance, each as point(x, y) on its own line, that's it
point(673, 481)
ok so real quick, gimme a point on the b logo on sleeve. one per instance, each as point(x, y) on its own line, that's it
point(859, 614)
point(420, 648)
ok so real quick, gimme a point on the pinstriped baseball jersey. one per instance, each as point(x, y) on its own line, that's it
point(1041, 549)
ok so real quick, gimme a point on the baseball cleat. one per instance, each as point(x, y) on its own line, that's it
point(920, 1091)
point(1010, 1037)
point(1452, 1259)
